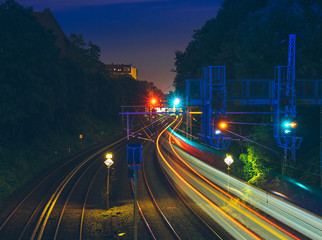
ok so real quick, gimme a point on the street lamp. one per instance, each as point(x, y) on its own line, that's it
point(228, 160)
point(108, 162)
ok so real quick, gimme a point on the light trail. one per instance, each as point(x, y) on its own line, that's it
point(251, 234)
point(300, 220)
point(235, 200)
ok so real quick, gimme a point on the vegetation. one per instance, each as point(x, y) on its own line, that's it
point(48, 100)
point(250, 38)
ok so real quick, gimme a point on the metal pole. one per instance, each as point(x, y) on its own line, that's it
point(122, 116)
point(128, 127)
point(135, 204)
point(321, 146)
point(107, 188)
point(228, 179)
point(284, 162)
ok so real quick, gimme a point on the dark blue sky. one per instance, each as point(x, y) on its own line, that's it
point(145, 33)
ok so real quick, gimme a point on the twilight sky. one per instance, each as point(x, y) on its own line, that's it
point(144, 33)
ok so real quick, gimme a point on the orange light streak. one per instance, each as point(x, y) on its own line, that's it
point(197, 192)
point(227, 194)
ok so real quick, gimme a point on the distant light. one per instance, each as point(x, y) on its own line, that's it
point(176, 101)
point(217, 132)
point(229, 160)
point(290, 124)
point(280, 194)
point(222, 124)
point(109, 155)
point(153, 101)
point(287, 131)
point(302, 186)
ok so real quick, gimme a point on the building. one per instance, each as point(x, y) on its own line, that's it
point(123, 69)
point(47, 19)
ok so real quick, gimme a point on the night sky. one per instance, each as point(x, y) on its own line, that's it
point(143, 33)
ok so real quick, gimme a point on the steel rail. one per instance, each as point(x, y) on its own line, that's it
point(38, 185)
point(185, 202)
point(157, 205)
point(33, 191)
point(49, 207)
point(158, 209)
point(85, 201)
point(230, 196)
point(41, 203)
point(63, 185)
point(72, 190)
point(69, 195)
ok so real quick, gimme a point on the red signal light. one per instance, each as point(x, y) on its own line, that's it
point(153, 101)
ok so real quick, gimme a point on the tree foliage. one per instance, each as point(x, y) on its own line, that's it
point(250, 38)
point(47, 98)
point(41, 89)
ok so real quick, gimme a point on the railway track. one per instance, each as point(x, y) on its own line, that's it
point(182, 175)
point(55, 208)
point(47, 203)
point(163, 209)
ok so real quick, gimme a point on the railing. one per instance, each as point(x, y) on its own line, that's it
point(259, 91)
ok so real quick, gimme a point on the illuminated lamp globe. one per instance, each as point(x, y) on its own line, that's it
point(229, 160)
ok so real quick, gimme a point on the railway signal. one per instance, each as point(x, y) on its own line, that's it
point(176, 102)
point(288, 126)
point(153, 101)
point(222, 124)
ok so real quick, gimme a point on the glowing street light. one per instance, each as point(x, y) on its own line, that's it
point(228, 160)
point(109, 157)
point(108, 162)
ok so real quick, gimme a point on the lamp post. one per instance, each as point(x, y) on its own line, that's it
point(228, 160)
point(108, 163)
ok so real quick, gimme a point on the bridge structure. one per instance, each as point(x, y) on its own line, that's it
point(213, 93)
point(248, 92)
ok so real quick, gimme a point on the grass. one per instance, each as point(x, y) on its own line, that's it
point(114, 223)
